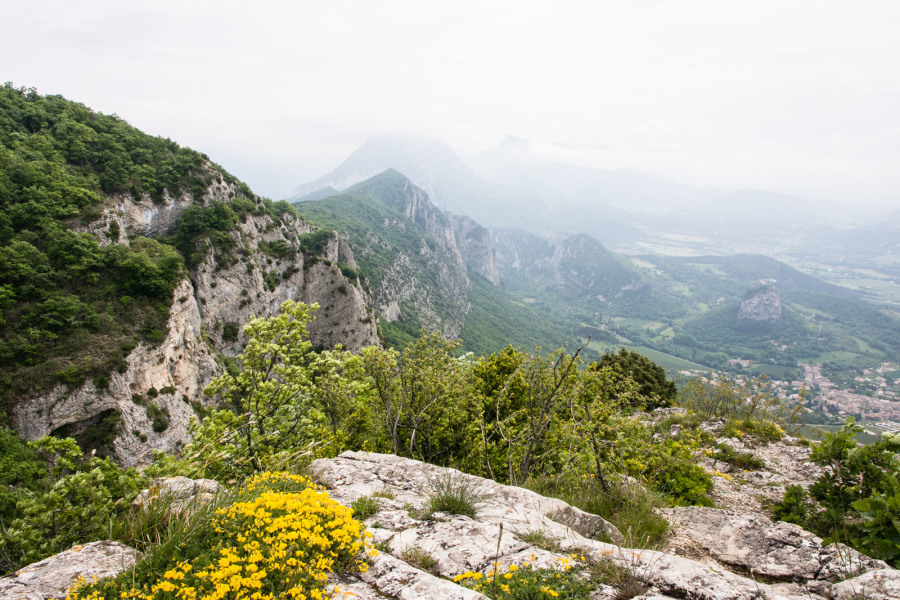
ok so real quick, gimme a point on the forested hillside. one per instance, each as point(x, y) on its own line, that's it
point(73, 308)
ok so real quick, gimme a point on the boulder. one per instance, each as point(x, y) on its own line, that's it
point(53, 576)
point(183, 492)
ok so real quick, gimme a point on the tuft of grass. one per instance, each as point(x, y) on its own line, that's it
point(364, 507)
point(628, 506)
point(385, 493)
point(419, 558)
point(611, 573)
point(455, 495)
point(540, 538)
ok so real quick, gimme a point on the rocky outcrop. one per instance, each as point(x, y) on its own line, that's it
point(152, 398)
point(754, 544)
point(755, 559)
point(571, 266)
point(785, 463)
point(179, 493)
point(253, 282)
point(126, 216)
point(760, 309)
point(736, 556)
point(53, 576)
point(176, 370)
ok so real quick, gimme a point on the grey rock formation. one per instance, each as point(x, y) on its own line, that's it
point(475, 247)
point(779, 550)
point(883, 584)
point(180, 492)
point(220, 295)
point(182, 361)
point(760, 308)
point(256, 284)
point(53, 576)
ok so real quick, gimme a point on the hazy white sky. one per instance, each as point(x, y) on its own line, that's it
point(799, 96)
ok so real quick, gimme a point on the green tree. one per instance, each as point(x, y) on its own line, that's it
point(422, 400)
point(269, 409)
point(654, 388)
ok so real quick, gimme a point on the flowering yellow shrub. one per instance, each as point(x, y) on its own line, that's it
point(528, 583)
point(278, 544)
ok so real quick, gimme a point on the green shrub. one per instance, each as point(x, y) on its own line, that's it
point(78, 504)
point(364, 507)
point(738, 460)
point(230, 331)
point(159, 417)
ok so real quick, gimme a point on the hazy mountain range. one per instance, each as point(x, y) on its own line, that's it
point(626, 209)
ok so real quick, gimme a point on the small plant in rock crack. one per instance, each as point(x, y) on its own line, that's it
point(457, 495)
point(540, 538)
point(385, 493)
point(611, 573)
point(364, 507)
point(419, 558)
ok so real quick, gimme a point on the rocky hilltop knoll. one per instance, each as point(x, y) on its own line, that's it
point(418, 259)
point(748, 557)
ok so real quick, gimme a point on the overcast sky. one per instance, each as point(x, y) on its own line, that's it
point(798, 96)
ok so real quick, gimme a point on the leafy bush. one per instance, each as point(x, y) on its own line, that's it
point(76, 503)
point(364, 507)
point(655, 390)
point(857, 498)
point(230, 331)
point(738, 460)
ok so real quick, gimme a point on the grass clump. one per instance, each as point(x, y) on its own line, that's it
point(611, 573)
point(737, 459)
point(455, 495)
point(627, 505)
point(540, 538)
point(419, 558)
point(385, 493)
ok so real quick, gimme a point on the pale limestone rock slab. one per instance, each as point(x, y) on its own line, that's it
point(396, 579)
point(753, 542)
point(53, 576)
point(461, 544)
point(881, 584)
point(183, 492)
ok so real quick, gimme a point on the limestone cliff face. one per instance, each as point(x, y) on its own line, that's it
point(257, 283)
point(207, 314)
point(475, 247)
point(180, 366)
point(760, 308)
